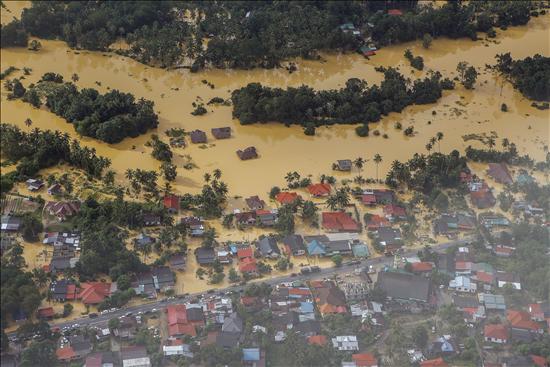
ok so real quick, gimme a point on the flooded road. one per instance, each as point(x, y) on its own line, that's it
point(284, 149)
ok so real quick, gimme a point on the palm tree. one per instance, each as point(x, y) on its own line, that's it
point(217, 173)
point(207, 177)
point(439, 136)
point(491, 142)
point(429, 147)
point(342, 198)
point(505, 143)
point(332, 202)
point(359, 162)
point(377, 159)
point(28, 122)
point(289, 177)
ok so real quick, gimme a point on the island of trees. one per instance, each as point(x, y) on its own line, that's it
point(109, 117)
point(531, 76)
point(252, 34)
point(355, 103)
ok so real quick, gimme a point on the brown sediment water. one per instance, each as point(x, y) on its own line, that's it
point(284, 149)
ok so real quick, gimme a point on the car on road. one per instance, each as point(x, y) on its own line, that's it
point(293, 275)
point(352, 262)
point(129, 313)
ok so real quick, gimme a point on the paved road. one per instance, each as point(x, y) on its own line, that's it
point(158, 304)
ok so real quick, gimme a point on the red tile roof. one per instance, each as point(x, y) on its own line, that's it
point(394, 210)
point(177, 321)
point(377, 221)
point(496, 331)
point(485, 277)
point(320, 189)
point(65, 354)
point(421, 266)
point(317, 339)
point(522, 320)
point(299, 291)
point(368, 199)
point(45, 312)
point(245, 252)
point(248, 301)
point(438, 362)
point(72, 292)
point(365, 359)
point(463, 265)
point(395, 12)
point(248, 265)
point(339, 221)
point(171, 202)
point(94, 293)
point(539, 361)
point(286, 197)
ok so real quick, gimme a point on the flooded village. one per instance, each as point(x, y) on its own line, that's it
point(252, 243)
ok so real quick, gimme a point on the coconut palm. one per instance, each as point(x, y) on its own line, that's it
point(28, 122)
point(207, 177)
point(217, 173)
point(429, 147)
point(359, 162)
point(332, 202)
point(439, 136)
point(377, 159)
point(505, 143)
point(491, 143)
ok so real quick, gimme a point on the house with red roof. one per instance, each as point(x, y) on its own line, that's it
point(503, 251)
point(171, 203)
point(66, 354)
point(245, 252)
point(496, 333)
point(438, 362)
point(94, 293)
point(421, 267)
point(365, 360)
point(178, 324)
point(394, 213)
point(45, 313)
point(317, 340)
point(319, 189)
point(540, 311)
point(521, 320)
point(395, 12)
point(483, 199)
point(339, 222)
point(248, 266)
point(286, 197)
point(377, 221)
point(329, 298)
point(368, 199)
point(539, 361)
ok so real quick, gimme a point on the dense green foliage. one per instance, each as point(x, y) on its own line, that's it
point(531, 76)
point(110, 117)
point(425, 173)
point(41, 149)
point(356, 102)
point(13, 35)
point(39, 353)
point(509, 155)
point(250, 34)
point(19, 292)
point(453, 20)
point(103, 248)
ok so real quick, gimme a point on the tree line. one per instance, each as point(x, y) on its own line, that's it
point(251, 34)
point(426, 173)
point(109, 117)
point(40, 149)
point(355, 103)
point(531, 76)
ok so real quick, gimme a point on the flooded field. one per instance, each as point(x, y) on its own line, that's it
point(284, 149)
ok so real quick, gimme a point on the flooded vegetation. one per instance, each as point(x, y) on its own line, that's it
point(173, 169)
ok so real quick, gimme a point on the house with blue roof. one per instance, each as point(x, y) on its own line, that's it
point(306, 307)
point(252, 357)
point(316, 248)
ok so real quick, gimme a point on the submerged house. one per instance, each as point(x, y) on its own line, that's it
point(221, 132)
point(342, 165)
point(198, 137)
point(339, 222)
point(247, 153)
point(267, 247)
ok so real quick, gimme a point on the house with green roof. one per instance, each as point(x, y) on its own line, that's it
point(316, 248)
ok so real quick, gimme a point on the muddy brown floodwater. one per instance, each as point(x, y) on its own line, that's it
point(281, 148)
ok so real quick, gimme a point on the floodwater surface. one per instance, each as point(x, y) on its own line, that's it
point(283, 149)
